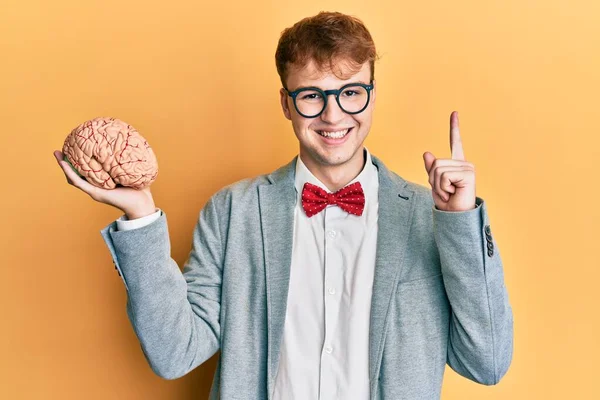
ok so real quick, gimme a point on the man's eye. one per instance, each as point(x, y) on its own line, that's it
point(311, 96)
point(350, 93)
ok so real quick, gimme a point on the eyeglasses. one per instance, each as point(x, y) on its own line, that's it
point(352, 98)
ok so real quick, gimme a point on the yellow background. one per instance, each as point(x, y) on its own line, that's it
point(198, 80)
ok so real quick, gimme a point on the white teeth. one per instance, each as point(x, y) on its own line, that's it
point(334, 135)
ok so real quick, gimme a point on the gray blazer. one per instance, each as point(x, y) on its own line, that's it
point(438, 293)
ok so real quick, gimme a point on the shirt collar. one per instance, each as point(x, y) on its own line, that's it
point(367, 177)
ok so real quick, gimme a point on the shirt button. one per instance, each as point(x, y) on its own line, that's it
point(331, 290)
point(332, 234)
point(329, 349)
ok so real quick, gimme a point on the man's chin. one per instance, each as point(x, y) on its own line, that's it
point(334, 159)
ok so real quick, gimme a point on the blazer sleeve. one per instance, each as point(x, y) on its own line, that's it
point(175, 316)
point(480, 345)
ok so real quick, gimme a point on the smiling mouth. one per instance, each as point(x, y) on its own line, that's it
point(334, 134)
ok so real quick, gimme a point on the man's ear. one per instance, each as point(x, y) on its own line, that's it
point(284, 103)
point(374, 92)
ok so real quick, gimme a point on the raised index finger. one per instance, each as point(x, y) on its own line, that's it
point(455, 141)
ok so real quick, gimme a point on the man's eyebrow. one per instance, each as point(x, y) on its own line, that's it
point(339, 87)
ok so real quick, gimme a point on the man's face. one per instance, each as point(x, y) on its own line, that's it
point(317, 150)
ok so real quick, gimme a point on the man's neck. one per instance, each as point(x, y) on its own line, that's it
point(336, 177)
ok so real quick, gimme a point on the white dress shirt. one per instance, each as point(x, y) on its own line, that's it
point(124, 224)
point(325, 345)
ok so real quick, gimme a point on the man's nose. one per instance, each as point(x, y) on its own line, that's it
point(332, 112)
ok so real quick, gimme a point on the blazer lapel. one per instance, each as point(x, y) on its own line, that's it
point(276, 203)
point(396, 204)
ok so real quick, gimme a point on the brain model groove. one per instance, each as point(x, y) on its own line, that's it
point(108, 153)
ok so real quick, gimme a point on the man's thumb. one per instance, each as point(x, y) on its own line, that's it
point(429, 159)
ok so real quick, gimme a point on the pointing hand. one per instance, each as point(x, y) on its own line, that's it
point(452, 180)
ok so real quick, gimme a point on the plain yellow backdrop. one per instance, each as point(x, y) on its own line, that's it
point(198, 80)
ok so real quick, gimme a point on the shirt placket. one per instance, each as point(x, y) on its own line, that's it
point(331, 300)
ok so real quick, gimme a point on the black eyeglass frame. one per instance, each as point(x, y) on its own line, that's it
point(327, 93)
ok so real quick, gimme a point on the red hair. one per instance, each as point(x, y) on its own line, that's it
point(327, 38)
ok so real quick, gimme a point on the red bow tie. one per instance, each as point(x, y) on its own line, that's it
point(350, 199)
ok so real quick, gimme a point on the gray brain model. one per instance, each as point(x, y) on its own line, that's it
point(108, 153)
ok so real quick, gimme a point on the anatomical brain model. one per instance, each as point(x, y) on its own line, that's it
point(108, 153)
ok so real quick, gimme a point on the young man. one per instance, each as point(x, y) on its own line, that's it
point(332, 277)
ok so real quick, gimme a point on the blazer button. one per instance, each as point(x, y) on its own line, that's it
point(490, 252)
point(490, 246)
point(488, 231)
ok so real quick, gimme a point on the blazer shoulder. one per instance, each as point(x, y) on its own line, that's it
point(422, 193)
point(245, 185)
point(246, 190)
point(249, 186)
point(392, 180)
point(241, 189)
